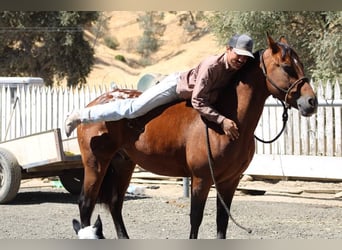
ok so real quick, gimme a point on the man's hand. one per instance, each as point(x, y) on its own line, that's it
point(229, 127)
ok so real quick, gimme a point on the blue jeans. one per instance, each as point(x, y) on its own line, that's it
point(162, 93)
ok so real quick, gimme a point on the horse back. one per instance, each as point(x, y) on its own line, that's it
point(169, 140)
point(160, 140)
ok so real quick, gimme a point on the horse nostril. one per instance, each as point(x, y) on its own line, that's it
point(312, 102)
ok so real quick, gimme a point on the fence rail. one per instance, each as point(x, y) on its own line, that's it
point(28, 110)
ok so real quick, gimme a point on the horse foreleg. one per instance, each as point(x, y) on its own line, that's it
point(227, 192)
point(199, 194)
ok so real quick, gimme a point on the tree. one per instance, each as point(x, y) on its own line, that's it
point(153, 30)
point(316, 35)
point(50, 45)
point(189, 21)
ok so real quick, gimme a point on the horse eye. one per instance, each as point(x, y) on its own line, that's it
point(289, 70)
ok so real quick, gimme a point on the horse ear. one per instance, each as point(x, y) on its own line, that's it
point(283, 40)
point(272, 44)
point(98, 222)
point(76, 225)
point(98, 226)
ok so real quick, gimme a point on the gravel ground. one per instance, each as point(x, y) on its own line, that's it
point(282, 212)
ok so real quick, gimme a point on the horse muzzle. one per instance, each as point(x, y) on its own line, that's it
point(307, 105)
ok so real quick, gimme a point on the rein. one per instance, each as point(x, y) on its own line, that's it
point(211, 167)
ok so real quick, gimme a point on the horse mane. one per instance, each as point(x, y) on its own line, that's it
point(246, 68)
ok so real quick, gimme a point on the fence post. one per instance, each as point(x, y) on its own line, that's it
point(337, 122)
point(186, 187)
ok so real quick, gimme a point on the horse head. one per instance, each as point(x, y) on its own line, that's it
point(91, 232)
point(285, 77)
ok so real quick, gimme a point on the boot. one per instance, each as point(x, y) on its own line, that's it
point(71, 122)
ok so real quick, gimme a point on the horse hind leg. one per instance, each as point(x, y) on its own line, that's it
point(117, 180)
point(97, 153)
point(94, 172)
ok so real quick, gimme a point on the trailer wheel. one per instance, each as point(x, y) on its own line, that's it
point(73, 181)
point(10, 176)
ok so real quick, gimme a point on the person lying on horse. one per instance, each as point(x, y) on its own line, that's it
point(201, 85)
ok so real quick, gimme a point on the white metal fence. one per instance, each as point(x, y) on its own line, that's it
point(28, 110)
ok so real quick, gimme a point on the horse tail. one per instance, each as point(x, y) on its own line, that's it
point(116, 179)
point(107, 187)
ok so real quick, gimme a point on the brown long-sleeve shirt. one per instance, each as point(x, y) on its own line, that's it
point(203, 83)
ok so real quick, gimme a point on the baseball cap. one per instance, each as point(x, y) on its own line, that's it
point(242, 45)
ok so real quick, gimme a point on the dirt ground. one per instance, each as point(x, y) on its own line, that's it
point(287, 210)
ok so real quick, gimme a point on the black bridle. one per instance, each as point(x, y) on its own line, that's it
point(285, 103)
point(291, 85)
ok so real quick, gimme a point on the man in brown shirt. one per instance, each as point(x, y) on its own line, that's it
point(200, 84)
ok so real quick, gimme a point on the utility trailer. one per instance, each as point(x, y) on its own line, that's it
point(39, 155)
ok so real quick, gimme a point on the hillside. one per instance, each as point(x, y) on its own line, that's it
point(176, 54)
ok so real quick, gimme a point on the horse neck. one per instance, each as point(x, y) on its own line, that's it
point(252, 94)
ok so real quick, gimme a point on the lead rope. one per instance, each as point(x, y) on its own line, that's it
point(285, 118)
point(211, 164)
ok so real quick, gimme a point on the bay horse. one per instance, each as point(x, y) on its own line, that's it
point(171, 140)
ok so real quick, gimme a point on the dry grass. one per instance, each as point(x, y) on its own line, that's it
point(176, 54)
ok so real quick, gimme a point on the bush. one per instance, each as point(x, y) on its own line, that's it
point(145, 61)
point(120, 58)
point(111, 42)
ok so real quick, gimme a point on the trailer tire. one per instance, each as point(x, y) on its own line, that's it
point(10, 176)
point(73, 181)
